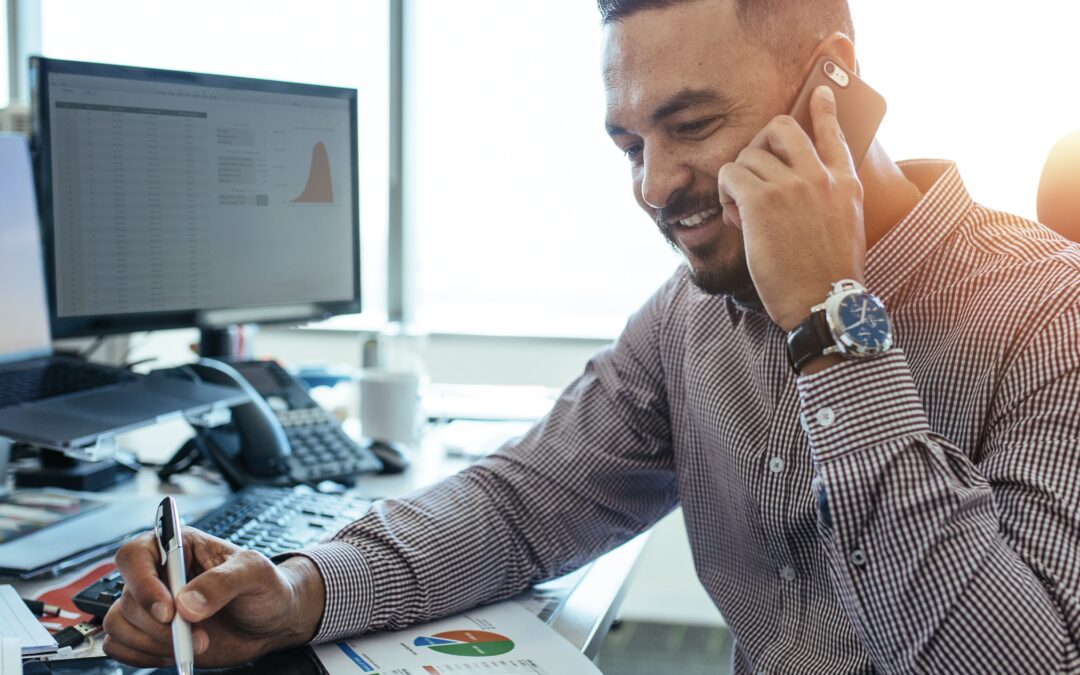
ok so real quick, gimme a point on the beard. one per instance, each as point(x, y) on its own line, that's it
point(710, 274)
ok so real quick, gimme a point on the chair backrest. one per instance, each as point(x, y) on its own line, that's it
point(1059, 188)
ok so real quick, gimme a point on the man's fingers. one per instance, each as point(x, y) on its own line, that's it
point(786, 140)
point(138, 563)
point(206, 594)
point(734, 183)
point(140, 618)
point(204, 551)
point(116, 649)
point(764, 164)
point(146, 637)
point(828, 137)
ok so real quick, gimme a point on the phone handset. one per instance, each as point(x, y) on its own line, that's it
point(253, 448)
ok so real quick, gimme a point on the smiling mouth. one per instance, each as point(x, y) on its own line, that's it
point(696, 219)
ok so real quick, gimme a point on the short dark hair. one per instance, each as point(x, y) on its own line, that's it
point(789, 29)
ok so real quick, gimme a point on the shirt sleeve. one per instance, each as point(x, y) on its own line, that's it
point(945, 562)
point(595, 472)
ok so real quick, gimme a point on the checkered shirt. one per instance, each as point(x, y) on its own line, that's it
point(915, 512)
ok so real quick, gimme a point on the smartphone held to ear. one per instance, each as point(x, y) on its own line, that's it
point(859, 109)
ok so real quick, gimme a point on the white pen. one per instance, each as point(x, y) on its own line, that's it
point(171, 546)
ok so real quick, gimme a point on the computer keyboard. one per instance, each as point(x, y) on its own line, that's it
point(47, 379)
point(264, 519)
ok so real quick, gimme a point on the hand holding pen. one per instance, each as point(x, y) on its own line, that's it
point(238, 604)
point(171, 548)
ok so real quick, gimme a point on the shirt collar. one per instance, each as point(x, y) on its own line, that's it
point(944, 204)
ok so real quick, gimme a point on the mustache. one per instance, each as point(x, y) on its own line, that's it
point(686, 206)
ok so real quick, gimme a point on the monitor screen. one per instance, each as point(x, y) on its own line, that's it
point(173, 199)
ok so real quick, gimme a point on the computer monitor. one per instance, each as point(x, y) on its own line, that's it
point(174, 199)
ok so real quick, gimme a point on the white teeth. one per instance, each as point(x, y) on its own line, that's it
point(698, 218)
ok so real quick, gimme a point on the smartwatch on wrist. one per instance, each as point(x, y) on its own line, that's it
point(851, 322)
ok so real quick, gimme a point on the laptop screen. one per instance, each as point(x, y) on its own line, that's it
point(24, 319)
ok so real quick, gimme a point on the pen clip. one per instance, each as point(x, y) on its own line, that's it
point(167, 528)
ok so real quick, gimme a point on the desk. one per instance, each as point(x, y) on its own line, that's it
point(583, 620)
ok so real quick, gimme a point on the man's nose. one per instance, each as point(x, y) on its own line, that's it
point(664, 176)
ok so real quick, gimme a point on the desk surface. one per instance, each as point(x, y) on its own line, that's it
point(584, 618)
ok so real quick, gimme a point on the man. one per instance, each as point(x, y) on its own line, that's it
point(914, 510)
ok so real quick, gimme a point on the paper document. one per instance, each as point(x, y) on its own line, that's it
point(17, 621)
point(501, 639)
point(10, 656)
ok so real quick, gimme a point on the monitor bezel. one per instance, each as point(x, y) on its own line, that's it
point(83, 326)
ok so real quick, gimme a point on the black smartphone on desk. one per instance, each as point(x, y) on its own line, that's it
point(281, 437)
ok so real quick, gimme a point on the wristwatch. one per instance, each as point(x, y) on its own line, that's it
point(851, 322)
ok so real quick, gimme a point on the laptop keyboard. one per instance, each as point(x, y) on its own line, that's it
point(55, 378)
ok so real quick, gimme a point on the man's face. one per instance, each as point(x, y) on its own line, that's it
point(685, 94)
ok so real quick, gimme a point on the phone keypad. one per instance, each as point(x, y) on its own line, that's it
point(321, 449)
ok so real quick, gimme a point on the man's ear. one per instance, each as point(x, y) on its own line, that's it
point(836, 45)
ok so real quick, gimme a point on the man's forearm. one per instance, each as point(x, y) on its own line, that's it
point(935, 569)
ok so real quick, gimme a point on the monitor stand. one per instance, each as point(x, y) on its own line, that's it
point(232, 342)
point(55, 469)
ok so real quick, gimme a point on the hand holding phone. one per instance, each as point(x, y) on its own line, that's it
point(859, 109)
point(795, 194)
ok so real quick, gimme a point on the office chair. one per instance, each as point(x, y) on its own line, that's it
point(1058, 202)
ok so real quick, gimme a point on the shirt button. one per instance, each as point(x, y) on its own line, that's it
point(787, 573)
point(857, 558)
point(804, 422)
point(776, 464)
point(825, 417)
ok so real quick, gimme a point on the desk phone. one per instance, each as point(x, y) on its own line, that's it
point(281, 438)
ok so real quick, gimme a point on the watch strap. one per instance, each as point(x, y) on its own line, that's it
point(808, 340)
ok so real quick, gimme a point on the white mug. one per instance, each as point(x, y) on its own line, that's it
point(390, 405)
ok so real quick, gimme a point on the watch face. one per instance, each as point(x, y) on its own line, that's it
point(863, 324)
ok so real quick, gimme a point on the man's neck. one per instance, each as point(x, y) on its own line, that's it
point(888, 195)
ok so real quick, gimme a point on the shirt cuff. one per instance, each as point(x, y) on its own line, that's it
point(349, 599)
point(860, 403)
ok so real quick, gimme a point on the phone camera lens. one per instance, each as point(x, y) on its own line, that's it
point(830, 68)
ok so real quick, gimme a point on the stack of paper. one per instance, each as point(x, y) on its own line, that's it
point(18, 622)
point(10, 656)
point(502, 639)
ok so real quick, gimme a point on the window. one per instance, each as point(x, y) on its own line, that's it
point(990, 85)
point(4, 82)
point(521, 211)
point(332, 42)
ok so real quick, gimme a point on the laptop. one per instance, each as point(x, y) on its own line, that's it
point(60, 402)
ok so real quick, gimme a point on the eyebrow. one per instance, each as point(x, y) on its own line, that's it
point(687, 98)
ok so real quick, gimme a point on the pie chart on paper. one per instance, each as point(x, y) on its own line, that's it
point(466, 643)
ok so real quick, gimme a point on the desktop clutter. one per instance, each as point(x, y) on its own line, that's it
point(87, 251)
